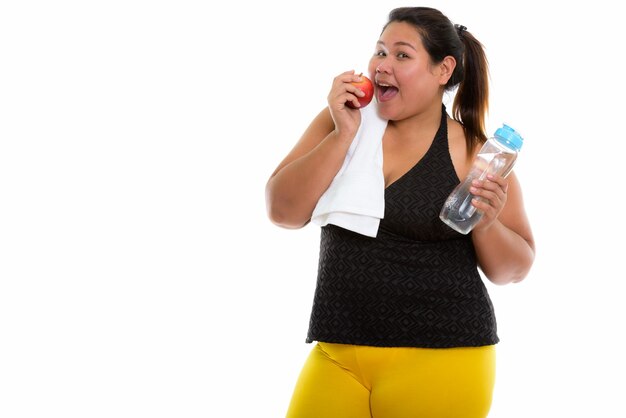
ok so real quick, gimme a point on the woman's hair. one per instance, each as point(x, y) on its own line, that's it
point(441, 39)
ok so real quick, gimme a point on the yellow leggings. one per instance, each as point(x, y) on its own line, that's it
point(351, 381)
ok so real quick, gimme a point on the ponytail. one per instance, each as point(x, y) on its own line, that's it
point(471, 102)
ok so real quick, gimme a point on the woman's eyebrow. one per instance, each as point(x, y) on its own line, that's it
point(399, 43)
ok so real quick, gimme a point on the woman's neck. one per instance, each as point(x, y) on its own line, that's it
point(423, 125)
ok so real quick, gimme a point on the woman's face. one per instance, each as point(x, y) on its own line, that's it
point(406, 81)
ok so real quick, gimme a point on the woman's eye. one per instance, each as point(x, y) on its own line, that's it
point(380, 53)
point(402, 55)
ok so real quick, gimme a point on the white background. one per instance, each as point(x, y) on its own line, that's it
point(139, 274)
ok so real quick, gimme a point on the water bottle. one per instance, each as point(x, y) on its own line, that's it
point(497, 156)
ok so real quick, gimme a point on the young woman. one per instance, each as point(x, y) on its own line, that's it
point(402, 321)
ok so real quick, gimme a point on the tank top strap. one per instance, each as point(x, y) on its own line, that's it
point(440, 143)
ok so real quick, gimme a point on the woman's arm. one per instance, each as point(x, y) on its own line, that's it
point(306, 172)
point(302, 177)
point(503, 238)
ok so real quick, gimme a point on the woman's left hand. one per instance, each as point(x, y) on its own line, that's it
point(492, 192)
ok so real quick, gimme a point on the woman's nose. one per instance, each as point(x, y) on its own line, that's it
point(382, 67)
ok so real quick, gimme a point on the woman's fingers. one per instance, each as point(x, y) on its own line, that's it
point(492, 194)
point(343, 91)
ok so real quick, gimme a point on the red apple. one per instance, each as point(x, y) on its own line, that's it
point(367, 87)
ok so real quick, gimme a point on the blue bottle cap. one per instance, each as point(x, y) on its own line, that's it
point(509, 137)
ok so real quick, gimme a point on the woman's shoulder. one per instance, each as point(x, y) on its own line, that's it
point(457, 142)
point(455, 131)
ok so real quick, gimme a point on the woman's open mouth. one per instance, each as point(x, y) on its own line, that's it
point(385, 92)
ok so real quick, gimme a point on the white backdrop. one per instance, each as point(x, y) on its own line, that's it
point(139, 274)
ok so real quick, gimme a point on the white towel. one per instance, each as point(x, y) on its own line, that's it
point(355, 199)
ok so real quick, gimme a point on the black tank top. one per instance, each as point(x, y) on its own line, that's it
point(417, 283)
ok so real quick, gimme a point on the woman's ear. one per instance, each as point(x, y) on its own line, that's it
point(446, 68)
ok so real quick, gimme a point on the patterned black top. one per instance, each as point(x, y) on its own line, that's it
point(417, 283)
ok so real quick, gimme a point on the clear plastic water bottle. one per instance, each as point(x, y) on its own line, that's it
point(497, 156)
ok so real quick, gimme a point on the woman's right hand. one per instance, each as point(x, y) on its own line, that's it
point(346, 120)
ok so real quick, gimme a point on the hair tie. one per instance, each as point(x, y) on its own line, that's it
point(460, 29)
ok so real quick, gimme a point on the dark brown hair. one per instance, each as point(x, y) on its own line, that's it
point(441, 39)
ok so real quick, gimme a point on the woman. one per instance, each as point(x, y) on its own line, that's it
point(403, 322)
